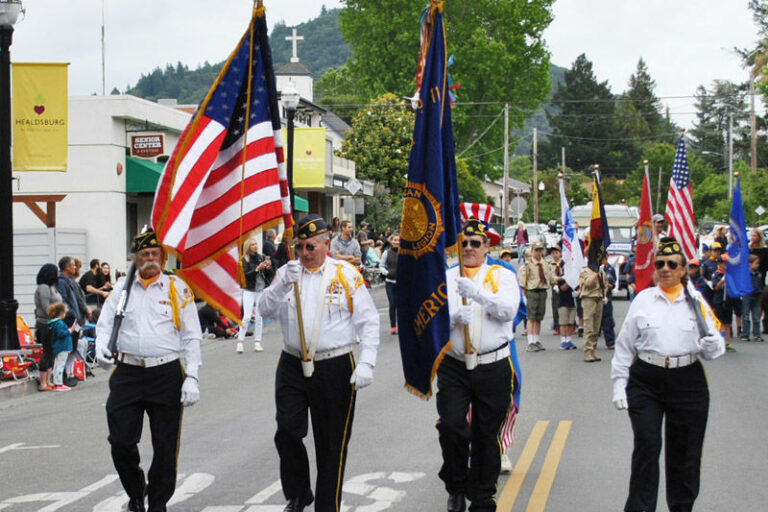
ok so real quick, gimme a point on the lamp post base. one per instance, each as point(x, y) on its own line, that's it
point(9, 335)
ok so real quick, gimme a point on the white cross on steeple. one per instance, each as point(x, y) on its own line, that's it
point(295, 39)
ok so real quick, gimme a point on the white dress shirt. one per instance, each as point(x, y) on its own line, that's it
point(497, 314)
point(147, 329)
point(339, 325)
point(653, 324)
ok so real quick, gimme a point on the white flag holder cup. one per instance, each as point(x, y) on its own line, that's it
point(308, 367)
point(470, 360)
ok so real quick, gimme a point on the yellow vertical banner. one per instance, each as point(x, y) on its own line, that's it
point(40, 116)
point(308, 157)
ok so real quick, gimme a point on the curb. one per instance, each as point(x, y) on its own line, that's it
point(18, 388)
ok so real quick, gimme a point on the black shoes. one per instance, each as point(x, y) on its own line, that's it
point(297, 504)
point(456, 503)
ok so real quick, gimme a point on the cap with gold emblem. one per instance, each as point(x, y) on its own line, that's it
point(311, 225)
point(474, 227)
point(145, 240)
point(668, 246)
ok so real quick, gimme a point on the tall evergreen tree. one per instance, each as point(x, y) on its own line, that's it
point(644, 100)
point(584, 120)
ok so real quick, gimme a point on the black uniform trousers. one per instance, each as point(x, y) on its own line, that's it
point(488, 388)
point(134, 390)
point(330, 399)
point(680, 397)
point(608, 324)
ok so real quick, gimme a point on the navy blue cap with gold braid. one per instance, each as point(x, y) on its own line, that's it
point(310, 225)
point(474, 227)
point(145, 241)
point(668, 246)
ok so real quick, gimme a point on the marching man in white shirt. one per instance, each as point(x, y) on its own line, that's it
point(657, 375)
point(335, 308)
point(482, 379)
point(158, 356)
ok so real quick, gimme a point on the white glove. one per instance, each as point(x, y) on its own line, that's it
point(620, 400)
point(292, 273)
point(467, 288)
point(462, 316)
point(104, 357)
point(190, 392)
point(362, 376)
point(710, 342)
point(555, 289)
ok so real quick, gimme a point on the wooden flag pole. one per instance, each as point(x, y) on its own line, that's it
point(460, 243)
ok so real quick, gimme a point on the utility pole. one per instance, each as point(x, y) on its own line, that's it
point(752, 125)
point(658, 192)
point(730, 156)
point(535, 179)
point(505, 192)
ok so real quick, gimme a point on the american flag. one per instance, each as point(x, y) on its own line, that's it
point(227, 174)
point(679, 213)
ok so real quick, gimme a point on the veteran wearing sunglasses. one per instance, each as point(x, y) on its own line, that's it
point(482, 380)
point(336, 308)
point(657, 374)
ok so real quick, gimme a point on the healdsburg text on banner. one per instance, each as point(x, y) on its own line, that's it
point(40, 116)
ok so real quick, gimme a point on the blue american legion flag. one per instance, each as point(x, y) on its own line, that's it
point(679, 212)
point(738, 281)
point(430, 218)
point(227, 174)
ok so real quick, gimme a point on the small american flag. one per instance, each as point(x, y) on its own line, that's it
point(679, 213)
point(227, 174)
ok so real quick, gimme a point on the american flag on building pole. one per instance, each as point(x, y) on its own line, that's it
point(679, 212)
point(226, 176)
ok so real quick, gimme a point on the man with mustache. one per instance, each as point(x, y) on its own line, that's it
point(158, 356)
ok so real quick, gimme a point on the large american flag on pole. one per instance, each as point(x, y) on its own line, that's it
point(227, 174)
point(679, 212)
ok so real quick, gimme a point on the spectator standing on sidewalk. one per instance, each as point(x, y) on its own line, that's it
point(388, 268)
point(750, 304)
point(258, 272)
point(61, 343)
point(45, 296)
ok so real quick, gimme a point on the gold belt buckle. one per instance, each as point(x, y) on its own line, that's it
point(666, 362)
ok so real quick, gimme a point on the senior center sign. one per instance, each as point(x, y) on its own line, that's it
point(147, 145)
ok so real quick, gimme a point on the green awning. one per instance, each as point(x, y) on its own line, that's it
point(141, 175)
point(300, 204)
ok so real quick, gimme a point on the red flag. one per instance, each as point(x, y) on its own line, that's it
point(645, 248)
point(226, 176)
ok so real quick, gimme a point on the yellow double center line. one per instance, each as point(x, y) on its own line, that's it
point(538, 500)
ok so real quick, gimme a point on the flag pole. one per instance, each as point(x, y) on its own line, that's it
point(460, 243)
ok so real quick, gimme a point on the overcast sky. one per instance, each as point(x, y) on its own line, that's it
point(685, 43)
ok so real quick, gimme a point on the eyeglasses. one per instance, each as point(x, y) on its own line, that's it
point(308, 247)
point(659, 264)
point(476, 244)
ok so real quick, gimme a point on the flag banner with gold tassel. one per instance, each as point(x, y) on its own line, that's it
point(431, 220)
point(226, 176)
point(40, 116)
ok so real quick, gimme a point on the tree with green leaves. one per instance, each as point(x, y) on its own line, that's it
point(584, 120)
point(380, 142)
point(499, 54)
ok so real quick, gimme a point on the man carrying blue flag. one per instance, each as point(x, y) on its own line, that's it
point(483, 381)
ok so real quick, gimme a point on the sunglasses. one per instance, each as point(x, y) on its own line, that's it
point(476, 244)
point(659, 264)
point(308, 247)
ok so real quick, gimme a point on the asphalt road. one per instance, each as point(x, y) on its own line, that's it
point(571, 452)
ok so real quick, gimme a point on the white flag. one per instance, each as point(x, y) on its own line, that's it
point(573, 256)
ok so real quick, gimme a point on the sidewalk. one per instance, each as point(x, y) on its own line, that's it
point(18, 388)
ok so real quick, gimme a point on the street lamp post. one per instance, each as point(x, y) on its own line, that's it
point(9, 339)
point(290, 97)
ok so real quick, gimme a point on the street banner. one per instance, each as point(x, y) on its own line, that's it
point(430, 217)
point(645, 248)
point(40, 116)
point(738, 281)
point(308, 157)
point(573, 256)
point(599, 237)
point(226, 176)
point(679, 213)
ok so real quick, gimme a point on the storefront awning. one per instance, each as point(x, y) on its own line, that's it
point(141, 175)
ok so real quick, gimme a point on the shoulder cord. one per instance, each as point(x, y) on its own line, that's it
point(340, 279)
point(173, 294)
